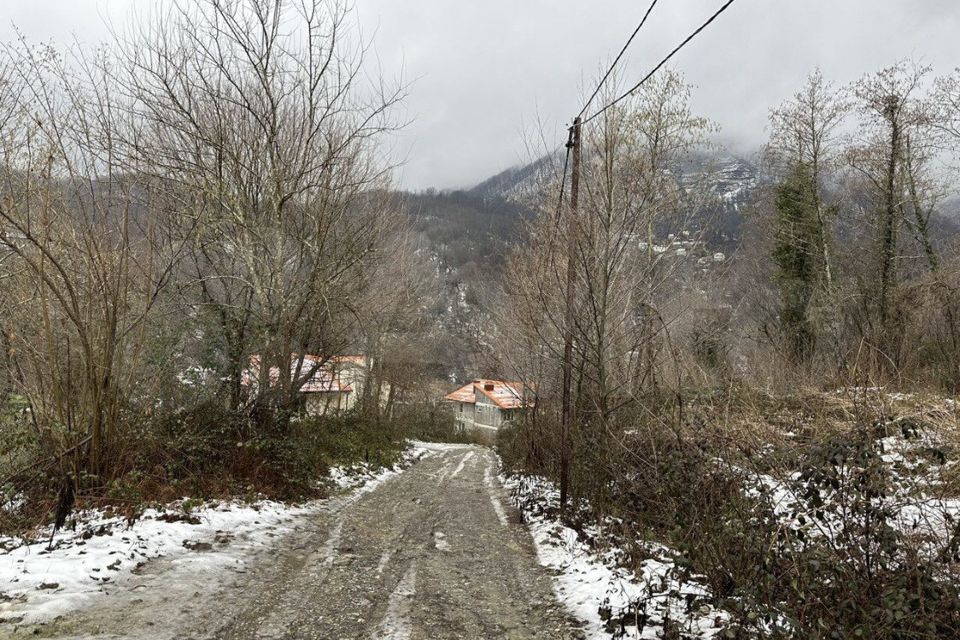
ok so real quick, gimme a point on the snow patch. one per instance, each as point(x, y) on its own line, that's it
point(610, 600)
point(103, 552)
point(384, 561)
point(463, 461)
point(396, 623)
point(440, 541)
point(494, 499)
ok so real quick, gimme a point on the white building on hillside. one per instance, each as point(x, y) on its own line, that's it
point(329, 385)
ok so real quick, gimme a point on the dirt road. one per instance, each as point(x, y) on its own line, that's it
point(435, 552)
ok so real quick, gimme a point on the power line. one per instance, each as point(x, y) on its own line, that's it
point(622, 97)
point(574, 149)
point(617, 60)
point(664, 61)
point(606, 76)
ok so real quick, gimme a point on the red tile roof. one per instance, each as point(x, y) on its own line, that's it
point(360, 361)
point(322, 380)
point(463, 394)
point(506, 395)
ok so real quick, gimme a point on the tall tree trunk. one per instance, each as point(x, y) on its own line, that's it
point(888, 239)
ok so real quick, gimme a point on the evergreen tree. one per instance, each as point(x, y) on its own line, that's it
point(796, 255)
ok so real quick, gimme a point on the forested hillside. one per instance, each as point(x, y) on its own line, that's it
point(470, 233)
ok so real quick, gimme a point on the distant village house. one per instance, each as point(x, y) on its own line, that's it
point(487, 404)
point(332, 385)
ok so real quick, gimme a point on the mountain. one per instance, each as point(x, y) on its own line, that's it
point(729, 184)
point(516, 182)
point(727, 181)
point(469, 233)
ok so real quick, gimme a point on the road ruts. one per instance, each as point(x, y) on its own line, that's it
point(433, 553)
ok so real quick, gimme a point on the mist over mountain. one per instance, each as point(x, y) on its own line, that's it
point(469, 234)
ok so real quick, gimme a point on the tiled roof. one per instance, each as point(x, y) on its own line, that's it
point(463, 394)
point(322, 380)
point(506, 395)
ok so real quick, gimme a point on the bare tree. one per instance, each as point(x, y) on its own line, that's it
point(895, 119)
point(625, 265)
point(260, 115)
point(88, 263)
point(947, 96)
point(393, 307)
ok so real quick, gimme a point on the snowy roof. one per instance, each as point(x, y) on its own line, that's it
point(506, 395)
point(321, 373)
point(323, 382)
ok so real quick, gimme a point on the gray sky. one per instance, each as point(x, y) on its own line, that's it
point(484, 73)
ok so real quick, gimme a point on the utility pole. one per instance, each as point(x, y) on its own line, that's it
point(566, 419)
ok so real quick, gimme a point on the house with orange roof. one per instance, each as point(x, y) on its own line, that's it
point(487, 404)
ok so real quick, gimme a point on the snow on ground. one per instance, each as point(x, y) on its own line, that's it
point(915, 461)
point(37, 584)
point(918, 463)
point(104, 552)
point(611, 601)
point(367, 477)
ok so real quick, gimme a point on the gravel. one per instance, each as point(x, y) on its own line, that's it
point(435, 552)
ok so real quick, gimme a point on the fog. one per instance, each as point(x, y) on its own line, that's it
point(487, 80)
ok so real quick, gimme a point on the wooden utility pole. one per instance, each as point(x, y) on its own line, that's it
point(566, 419)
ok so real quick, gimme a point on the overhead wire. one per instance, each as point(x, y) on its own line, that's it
point(623, 96)
point(616, 61)
point(574, 139)
point(647, 77)
point(606, 76)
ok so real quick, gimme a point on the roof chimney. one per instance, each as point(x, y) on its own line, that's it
point(488, 386)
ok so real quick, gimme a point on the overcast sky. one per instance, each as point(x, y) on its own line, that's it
point(484, 73)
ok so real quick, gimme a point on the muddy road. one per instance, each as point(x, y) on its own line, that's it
point(435, 552)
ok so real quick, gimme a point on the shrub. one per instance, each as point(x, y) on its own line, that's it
point(797, 537)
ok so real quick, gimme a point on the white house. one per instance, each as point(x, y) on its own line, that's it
point(487, 404)
point(332, 385)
